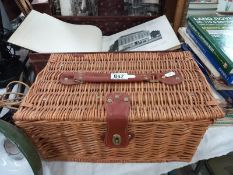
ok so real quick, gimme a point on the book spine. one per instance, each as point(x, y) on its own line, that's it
point(209, 55)
point(201, 65)
point(222, 59)
point(227, 95)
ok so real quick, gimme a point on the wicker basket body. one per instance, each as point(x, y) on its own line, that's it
point(168, 122)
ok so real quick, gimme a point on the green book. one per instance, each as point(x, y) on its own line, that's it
point(217, 35)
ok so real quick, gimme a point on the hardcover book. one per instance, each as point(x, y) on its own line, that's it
point(217, 34)
point(195, 48)
point(45, 34)
point(219, 88)
point(228, 78)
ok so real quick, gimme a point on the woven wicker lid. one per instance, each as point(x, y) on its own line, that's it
point(50, 100)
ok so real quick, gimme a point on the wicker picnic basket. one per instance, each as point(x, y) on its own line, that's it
point(118, 107)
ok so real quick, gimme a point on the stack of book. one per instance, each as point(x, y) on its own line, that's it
point(210, 7)
point(202, 7)
point(225, 7)
point(211, 41)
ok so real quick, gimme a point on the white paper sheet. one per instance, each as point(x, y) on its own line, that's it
point(45, 34)
point(167, 41)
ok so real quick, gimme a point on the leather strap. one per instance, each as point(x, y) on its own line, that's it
point(71, 78)
point(117, 108)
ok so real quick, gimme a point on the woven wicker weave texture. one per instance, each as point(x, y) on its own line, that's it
point(66, 122)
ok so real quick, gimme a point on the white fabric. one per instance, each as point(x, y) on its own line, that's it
point(217, 141)
point(9, 166)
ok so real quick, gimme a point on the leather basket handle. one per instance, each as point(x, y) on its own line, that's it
point(71, 78)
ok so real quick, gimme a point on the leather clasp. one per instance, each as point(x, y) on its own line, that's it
point(117, 107)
